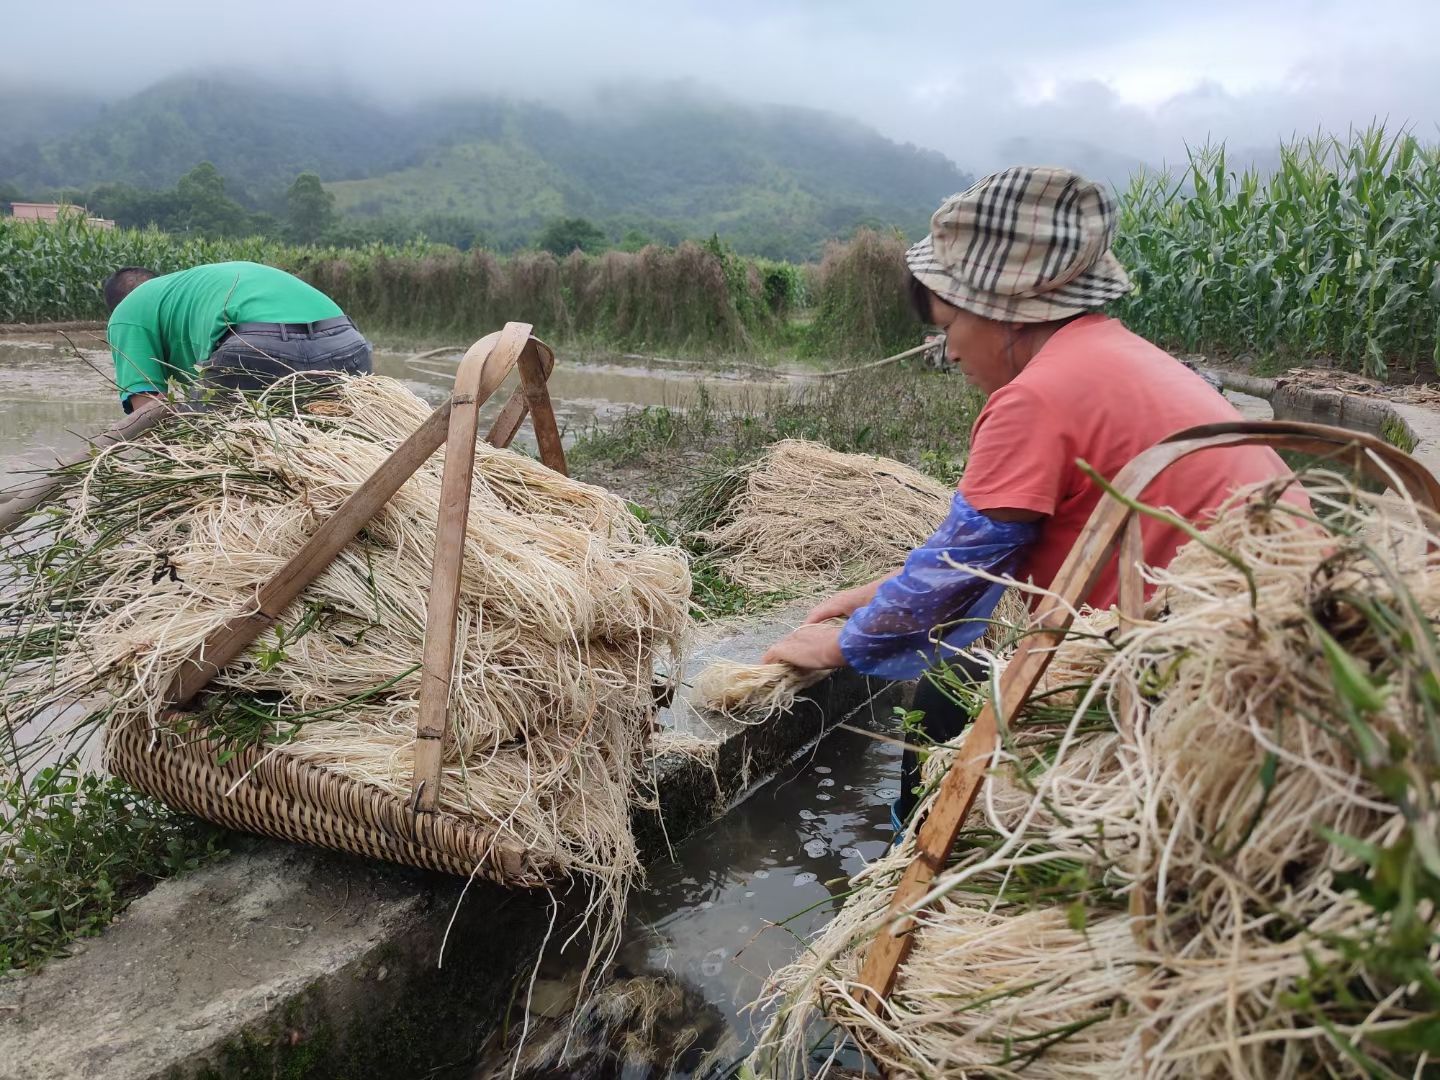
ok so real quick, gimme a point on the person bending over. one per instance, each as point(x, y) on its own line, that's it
point(222, 328)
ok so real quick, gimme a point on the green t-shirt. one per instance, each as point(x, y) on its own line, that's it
point(168, 325)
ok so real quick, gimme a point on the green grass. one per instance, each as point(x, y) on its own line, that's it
point(1397, 433)
point(920, 417)
point(75, 850)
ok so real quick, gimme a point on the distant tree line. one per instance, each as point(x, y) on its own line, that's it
point(199, 205)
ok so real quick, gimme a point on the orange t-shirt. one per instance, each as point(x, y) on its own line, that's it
point(1097, 392)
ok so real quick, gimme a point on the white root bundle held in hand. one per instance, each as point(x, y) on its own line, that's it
point(1237, 878)
point(752, 691)
point(565, 607)
point(808, 517)
point(757, 692)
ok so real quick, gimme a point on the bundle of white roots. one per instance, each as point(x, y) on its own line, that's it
point(565, 607)
point(808, 517)
point(755, 692)
point(752, 691)
point(1209, 851)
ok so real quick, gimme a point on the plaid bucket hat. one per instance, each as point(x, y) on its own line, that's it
point(1030, 244)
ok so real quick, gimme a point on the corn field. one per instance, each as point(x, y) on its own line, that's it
point(695, 297)
point(53, 271)
point(1334, 255)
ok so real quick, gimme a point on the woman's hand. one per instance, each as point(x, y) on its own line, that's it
point(839, 606)
point(843, 604)
point(813, 647)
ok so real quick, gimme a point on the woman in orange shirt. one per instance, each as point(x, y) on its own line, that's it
point(1015, 272)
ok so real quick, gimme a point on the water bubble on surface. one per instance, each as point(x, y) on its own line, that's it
point(823, 770)
point(889, 794)
point(808, 815)
point(713, 964)
point(849, 853)
point(805, 878)
point(816, 848)
point(822, 797)
point(827, 782)
point(749, 893)
point(762, 874)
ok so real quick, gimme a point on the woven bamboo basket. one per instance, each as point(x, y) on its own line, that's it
point(277, 795)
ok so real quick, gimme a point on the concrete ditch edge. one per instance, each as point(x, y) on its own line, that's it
point(292, 962)
point(1419, 424)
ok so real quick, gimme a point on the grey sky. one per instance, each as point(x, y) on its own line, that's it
point(978, 81)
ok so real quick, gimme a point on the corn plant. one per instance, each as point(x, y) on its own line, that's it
point(1334, 255)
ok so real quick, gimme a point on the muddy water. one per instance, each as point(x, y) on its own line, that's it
point(54, 389)
point(708, 928)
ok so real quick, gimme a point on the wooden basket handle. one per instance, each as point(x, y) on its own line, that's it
point(1111, 522)
point(481, 373)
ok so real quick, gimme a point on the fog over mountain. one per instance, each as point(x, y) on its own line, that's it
point(1098, 85)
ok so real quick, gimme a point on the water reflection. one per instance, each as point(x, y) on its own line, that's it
point(736, 904)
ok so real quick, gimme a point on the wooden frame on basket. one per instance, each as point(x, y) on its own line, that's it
point(1112, 523)
point(296, 800)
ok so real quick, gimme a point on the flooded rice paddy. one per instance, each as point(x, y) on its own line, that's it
point(54, 389)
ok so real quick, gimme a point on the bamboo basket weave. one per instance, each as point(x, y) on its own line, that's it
point(274, 794)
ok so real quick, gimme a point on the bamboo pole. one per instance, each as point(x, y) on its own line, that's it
point(480, 374)
point(542, 414)
point(512, 414)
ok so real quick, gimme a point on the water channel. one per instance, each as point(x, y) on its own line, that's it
point(737, 902)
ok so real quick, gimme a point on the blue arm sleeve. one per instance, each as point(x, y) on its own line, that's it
point(899, 634)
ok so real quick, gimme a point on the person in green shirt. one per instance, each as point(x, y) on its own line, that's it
point(231, 326)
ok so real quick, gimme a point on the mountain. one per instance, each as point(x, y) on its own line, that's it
point(772, 180)
point(30, 114)
point(671, 163)
point(259, 137)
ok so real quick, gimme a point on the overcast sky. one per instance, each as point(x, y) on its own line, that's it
point(978, 81)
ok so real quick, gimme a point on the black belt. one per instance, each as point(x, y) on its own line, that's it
point(291, 328)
